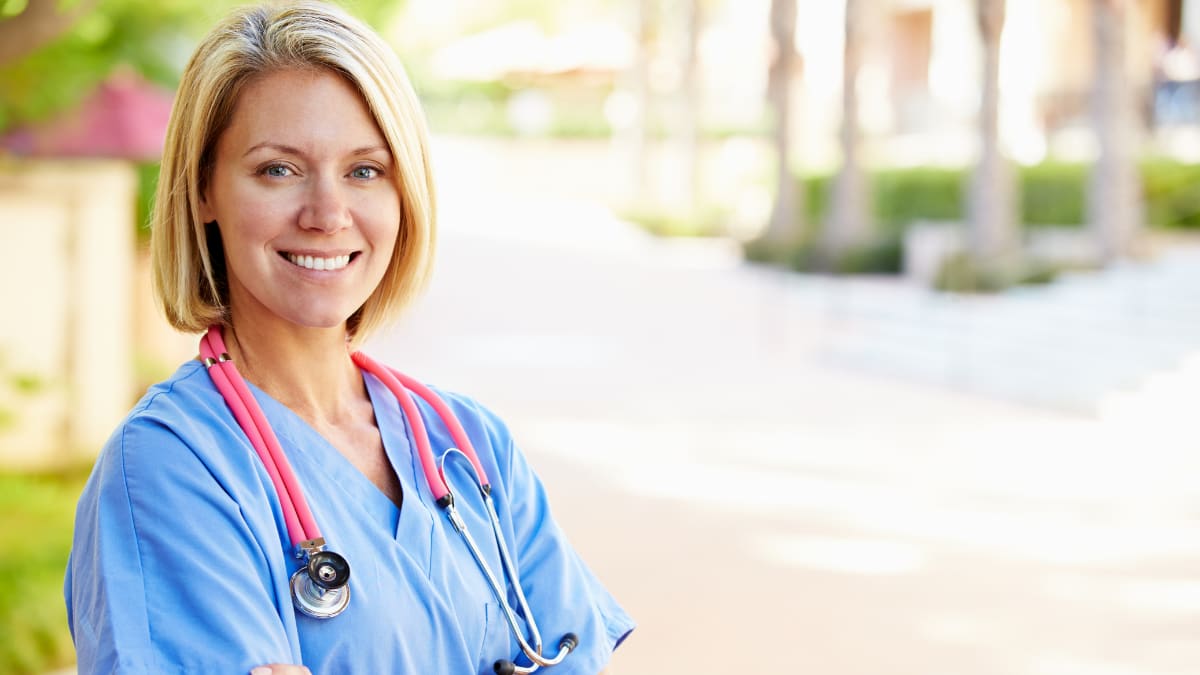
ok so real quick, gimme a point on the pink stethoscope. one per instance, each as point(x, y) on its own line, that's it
point(320, 587)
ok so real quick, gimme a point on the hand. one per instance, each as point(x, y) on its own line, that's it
point(281, 669)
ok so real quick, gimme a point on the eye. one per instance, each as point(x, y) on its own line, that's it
point(276, 171)
point(364, 172)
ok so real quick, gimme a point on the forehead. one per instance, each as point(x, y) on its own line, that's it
point(301, 106)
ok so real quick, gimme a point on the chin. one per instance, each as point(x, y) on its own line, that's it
point(333, 322)
point(319, 319)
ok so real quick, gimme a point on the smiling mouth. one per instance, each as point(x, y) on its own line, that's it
point(309, 262)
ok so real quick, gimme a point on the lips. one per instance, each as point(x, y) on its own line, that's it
point(318, 262)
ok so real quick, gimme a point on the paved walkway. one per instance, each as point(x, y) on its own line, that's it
point(726, 449)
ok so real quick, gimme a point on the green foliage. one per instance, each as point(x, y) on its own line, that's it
point(36, 515)
point(1050, 194)
point(1172, 192)
point(1053, 194)
point(15, 385)
point(962, 273)
point(147, 181)
point(901, 196)
point(12, 7)
point(762, 251)
point(884, 254)
point(26, 383)
point(707, 222)
point(153, 37)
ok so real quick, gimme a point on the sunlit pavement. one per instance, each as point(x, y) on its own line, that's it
point(761, 504)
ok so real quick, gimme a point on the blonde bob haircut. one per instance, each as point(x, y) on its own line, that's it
point(189, 267)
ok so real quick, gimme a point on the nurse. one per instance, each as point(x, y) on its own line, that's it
point(295, 211)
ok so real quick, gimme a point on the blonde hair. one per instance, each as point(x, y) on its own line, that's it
point(189, 269)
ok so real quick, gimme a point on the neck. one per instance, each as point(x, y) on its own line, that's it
point(307, 369)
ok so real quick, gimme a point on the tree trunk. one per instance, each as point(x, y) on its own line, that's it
point(688, 132)
point(41, 22)
point(991, 199)
point(849, 219)
point(636, 137)
point(784, 228)
point(1114, 200)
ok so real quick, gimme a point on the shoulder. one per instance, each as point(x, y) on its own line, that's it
point(181, 394)
point(179, 422)
point(486, 429)
point(472, 413)
point(484, 426)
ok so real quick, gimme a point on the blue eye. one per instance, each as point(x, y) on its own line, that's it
point(365, 172)
point(276, 171)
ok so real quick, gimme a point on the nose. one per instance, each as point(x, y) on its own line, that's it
point(326, 208)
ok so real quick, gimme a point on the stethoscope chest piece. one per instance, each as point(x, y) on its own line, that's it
point(320, 588)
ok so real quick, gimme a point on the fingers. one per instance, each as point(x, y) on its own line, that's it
point(280, 669)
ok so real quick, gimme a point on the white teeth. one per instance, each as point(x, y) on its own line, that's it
point(322, 264)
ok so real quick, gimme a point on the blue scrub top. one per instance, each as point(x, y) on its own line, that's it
point(181, 559)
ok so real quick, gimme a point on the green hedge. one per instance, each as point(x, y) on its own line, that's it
point(36, 516)
point(1050, 194)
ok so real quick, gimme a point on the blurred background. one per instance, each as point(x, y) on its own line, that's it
point(849, 336)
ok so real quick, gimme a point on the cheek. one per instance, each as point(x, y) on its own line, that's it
point(383, 222)
point(253, 220)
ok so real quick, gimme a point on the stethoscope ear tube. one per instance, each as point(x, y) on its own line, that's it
point(532, 651)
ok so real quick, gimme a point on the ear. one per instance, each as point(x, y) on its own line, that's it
point(207, 213)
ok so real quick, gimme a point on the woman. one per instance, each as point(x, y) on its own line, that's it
point(295, 215)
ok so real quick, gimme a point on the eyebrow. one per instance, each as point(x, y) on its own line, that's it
point(291, 150)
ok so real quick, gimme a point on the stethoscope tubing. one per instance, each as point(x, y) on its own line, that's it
point(401, 385)
point(301, 525)
point(435, 474)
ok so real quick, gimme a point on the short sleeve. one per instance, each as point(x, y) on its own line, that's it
point(165, 574)
point(563, 593)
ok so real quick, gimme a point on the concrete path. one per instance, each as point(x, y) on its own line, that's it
point(764, 501)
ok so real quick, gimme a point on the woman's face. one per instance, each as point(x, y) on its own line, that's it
point(303, 191)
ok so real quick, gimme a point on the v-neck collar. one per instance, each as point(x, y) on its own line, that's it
point(409, 525)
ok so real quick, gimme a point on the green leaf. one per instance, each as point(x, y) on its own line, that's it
point(12, 7)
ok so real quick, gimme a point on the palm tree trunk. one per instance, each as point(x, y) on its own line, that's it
point(1114, 201)
point(849, 223)
point(784, 228)
point(689, 107)
point(991, 198)
point(637, 136)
